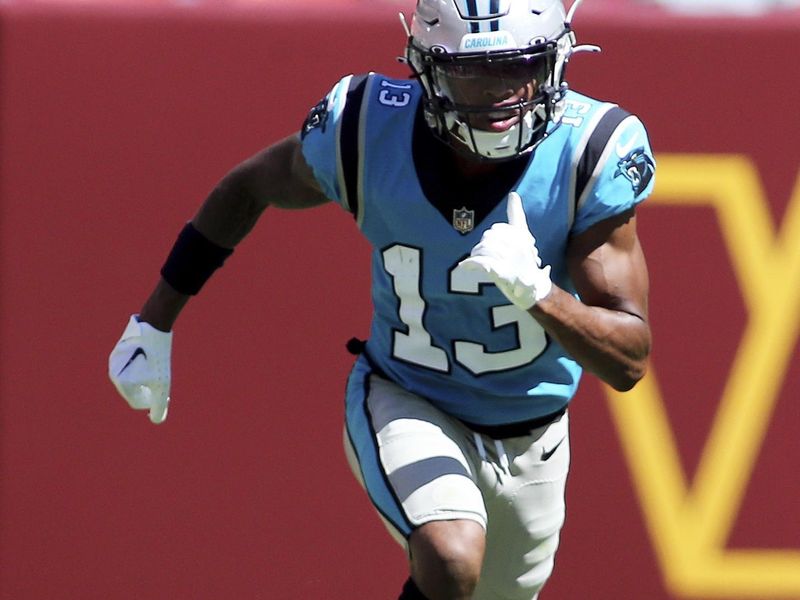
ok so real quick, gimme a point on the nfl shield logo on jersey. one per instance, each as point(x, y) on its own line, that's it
point(463, 220)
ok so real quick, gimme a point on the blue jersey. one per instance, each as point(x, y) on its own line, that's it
point(444, 332)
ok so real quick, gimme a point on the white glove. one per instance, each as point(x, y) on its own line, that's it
point(139, 367)
point(507, 252)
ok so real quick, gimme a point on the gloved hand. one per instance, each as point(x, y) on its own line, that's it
point(139, 367)
point(507, 252)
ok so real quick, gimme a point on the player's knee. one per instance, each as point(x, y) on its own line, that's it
point(446, 558)
point(457, 572)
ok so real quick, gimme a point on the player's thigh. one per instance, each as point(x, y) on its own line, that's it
point(526, 516)
point(410, 457)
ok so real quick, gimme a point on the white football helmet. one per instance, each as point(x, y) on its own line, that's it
point(492, 70)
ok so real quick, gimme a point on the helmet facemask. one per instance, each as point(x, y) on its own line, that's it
point(495, 105)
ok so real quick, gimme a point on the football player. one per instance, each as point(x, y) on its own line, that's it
point(500, 208)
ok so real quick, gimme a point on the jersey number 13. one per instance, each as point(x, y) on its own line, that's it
point(415, 345)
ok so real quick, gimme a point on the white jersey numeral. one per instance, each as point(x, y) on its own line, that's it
point(530, 335)
point(574, 112)
point(395, 95)
point(416, 345)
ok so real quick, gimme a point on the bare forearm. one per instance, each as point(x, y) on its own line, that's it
point(224, 219)
point(162, 307)
point(275, 176)
point(612, 344)
point(228, 214)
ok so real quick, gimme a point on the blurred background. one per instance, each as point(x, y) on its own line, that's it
point(118, 116)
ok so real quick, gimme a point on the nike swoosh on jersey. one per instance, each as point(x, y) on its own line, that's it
point(138, 352)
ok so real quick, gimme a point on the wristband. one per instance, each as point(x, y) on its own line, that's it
point(192, 260)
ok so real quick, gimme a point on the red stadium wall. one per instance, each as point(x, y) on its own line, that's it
point(115, 124)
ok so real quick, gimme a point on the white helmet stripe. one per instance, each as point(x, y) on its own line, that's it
point(467, 8)
point(481, 9)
